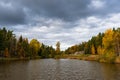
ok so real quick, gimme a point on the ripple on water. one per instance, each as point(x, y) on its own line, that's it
point(61, 69)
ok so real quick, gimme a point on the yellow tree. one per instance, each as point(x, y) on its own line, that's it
point(100, 51)
point(34, 46)
point(108, 41)
point(93, 49)
point(109, 46)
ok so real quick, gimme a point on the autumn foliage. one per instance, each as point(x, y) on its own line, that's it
point(107, 45)
point(12, 47)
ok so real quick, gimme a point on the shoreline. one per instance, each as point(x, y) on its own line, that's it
point(13, 59)
point(79, 57)
point(88, 57)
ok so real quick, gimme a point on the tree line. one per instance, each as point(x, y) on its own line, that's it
point(11, 47)
point(106, 44)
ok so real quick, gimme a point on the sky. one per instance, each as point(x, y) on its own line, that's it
point(68, 21)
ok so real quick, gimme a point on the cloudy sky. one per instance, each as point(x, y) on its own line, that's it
point(67, 21)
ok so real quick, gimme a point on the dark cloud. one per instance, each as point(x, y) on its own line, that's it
point(109, 7)
point(62, 9)
point(70, 10)
point(22, 11)
point(11, 14)
point(67, 21)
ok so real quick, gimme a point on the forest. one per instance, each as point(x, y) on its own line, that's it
point(12, 47)
point(106, 45)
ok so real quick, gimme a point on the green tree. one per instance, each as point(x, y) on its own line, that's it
point(46, 51)
point(7, 38)
point(20, 50)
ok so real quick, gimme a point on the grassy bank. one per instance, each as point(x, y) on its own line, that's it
point(86, 57)
point(89, 57)
point(13, 59)
point(80, 56)
point(117, 60)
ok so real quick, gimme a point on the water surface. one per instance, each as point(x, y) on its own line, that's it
point(61, 69)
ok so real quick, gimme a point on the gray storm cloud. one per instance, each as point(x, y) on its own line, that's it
point(21, 11)
point(14, 11)
point(68, 21)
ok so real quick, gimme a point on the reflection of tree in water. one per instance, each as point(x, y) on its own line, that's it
point(110, 71)
point(57, 71)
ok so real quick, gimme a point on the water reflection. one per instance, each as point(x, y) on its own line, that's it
point(111, 71)
point(13, 70)
point(63, 69)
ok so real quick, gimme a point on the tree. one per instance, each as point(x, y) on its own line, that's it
point(20, 39)
point(87, 48)
point(34, 47)
point(93, 49)
point(20, 50)
point(26, 47)
point(1, 40)
point(46, 51)
point(108, 46)
point(108, 41)
point(100, 51)
point(58, 47)
point(6, 53)
point(23, 49)
point(7, 38)
point(117, 42)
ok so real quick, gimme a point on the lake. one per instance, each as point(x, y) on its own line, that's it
point(58, 69)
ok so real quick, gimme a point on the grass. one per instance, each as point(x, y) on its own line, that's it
point(13, 59)
point(79, 56)
point(7, 59)
point(89, 57)
point(117, 60)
